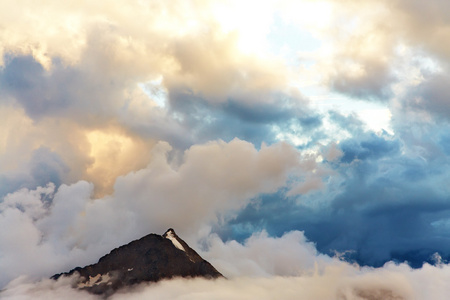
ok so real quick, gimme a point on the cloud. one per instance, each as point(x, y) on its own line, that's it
point(321, 278)
point(204, 57)
point(430, 95)
point(24, 79)
point(47, 166)
point(223, 72)
point(77, 110)
point(290, 255)
point(364, 57)
point(380, 201)
point(84, 79)
point(338, 282)
point(357, 54)
point(332, 152)
point(43, 167)
point(350, 123)
point(21, 243)
point(24, 288)
point(363, 79)
point(69, 227)
point(25, 161)
point(372, 147)
point(424, 24)
point(256, 123)
point(73, 92)
point(34, 153)
point(75, 101)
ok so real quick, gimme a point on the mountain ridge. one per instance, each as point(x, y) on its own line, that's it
point(149, 259)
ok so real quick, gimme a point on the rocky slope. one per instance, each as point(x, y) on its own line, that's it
point(149, 259)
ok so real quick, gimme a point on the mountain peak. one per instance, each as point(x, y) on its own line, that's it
point(170, 230)
point(149, 259)
point(171, 235)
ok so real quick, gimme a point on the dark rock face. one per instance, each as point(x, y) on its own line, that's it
point(149, 259)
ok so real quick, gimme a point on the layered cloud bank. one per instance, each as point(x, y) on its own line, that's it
point(258, 130)
point(287, 267)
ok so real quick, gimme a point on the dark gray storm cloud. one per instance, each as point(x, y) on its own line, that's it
point(26, 80)
point(255, 122)
point(79, 93)
point(381, 205)
point(43, 167)
point(371, 147)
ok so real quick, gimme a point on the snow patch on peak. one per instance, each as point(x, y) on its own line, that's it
point(170, 235)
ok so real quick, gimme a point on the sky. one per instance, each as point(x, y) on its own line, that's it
point(296, 145)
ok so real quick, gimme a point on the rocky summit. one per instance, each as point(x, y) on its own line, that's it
point(149, 259)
